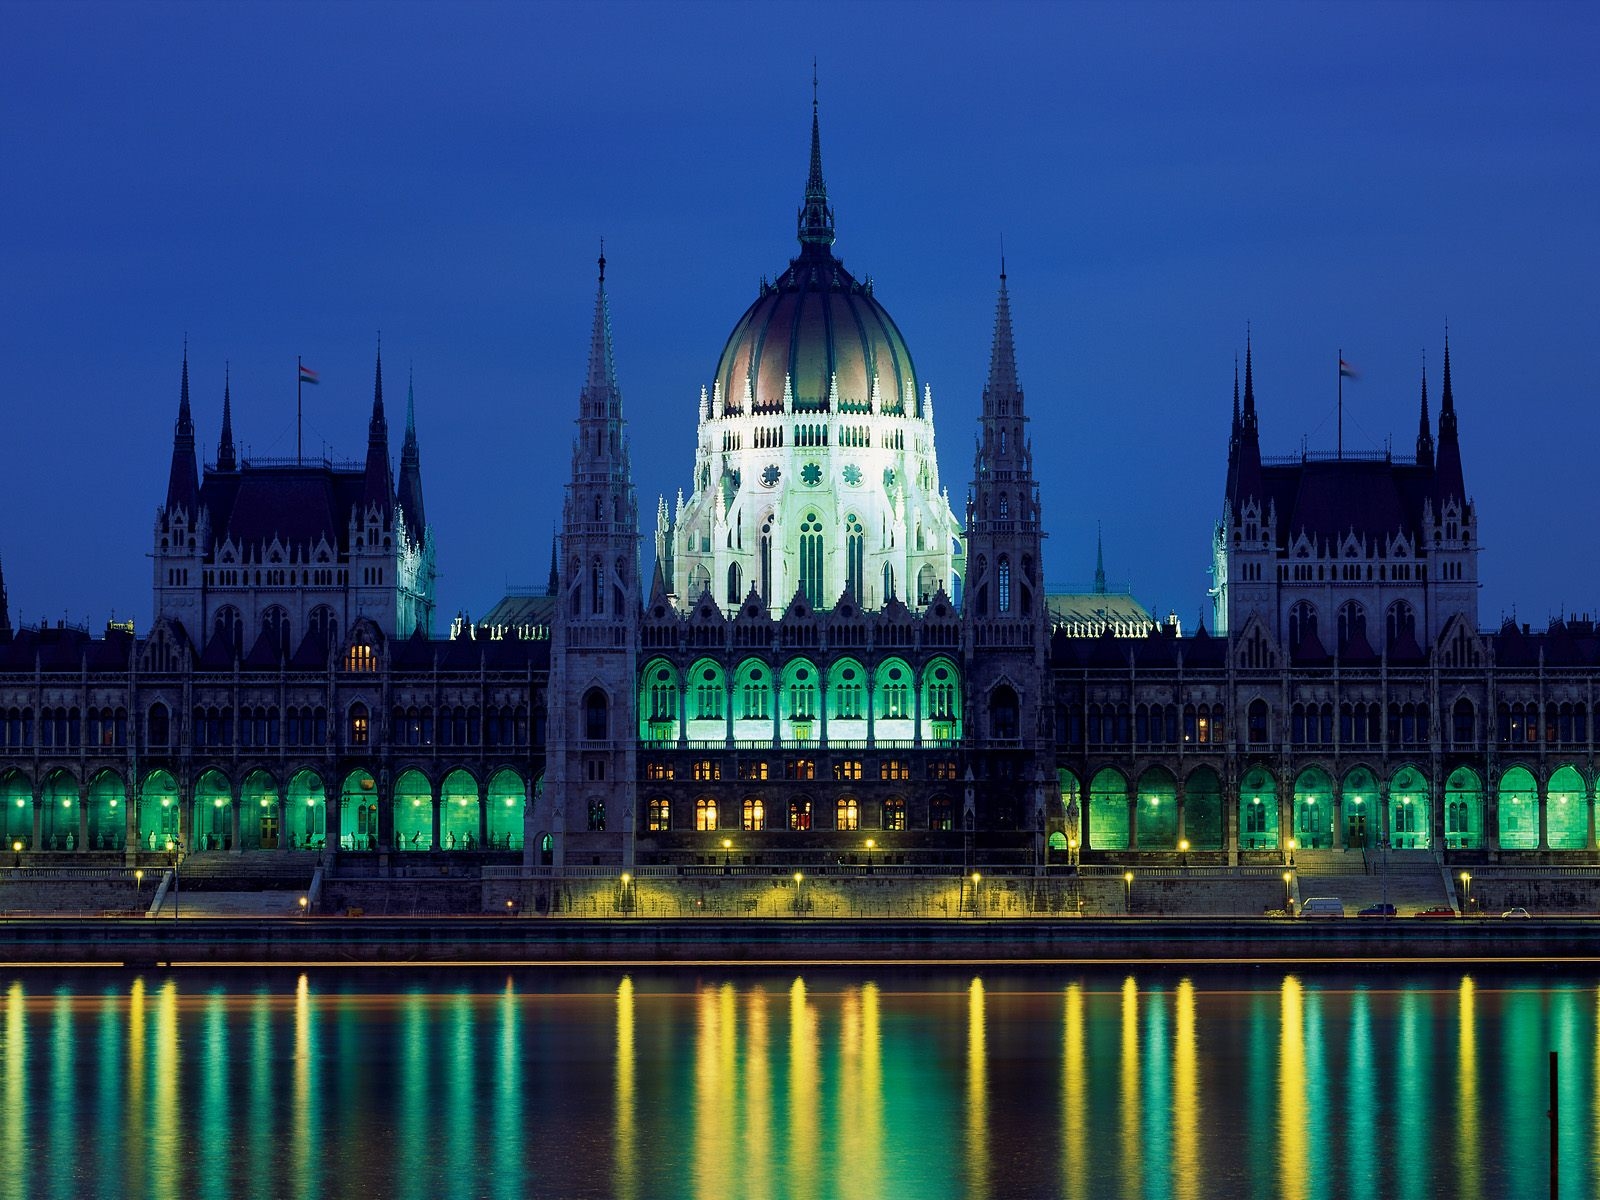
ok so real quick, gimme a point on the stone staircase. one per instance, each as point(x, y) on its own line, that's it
point(1411, 880)
point(275, 903)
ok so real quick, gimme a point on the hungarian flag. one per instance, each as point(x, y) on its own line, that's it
point(1346, 371)
point(307, 375)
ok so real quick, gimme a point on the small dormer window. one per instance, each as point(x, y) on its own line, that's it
point(360, 657)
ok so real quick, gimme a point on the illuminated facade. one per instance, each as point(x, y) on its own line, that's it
point(822, 664)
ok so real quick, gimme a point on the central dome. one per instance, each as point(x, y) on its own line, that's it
point(820, 336)
point(816, 339)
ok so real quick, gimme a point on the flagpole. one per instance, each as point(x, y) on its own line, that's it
point(1341, 404)
point(299, 387)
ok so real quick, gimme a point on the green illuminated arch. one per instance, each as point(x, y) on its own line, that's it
point(1258, 810)
point(1567, 821)
point(1071, 792)
point(306, 815)
point(413, 812)
point(1202, 810)
point(706, 700)
point(58, 812)
point(258, 812)
point(1463, 810)
point(1158, 810)
point(659, 701)
point(213, 813)
point(1410, 813)
point(800, 699)
point(16, 801)
point(752, 701)
point(158, 811)
point(893, 700)
point(507, 800)
point(1363, 815)
point(941, 701)
point(459, 810)
point(108, 811)
point(1313, 810)
point(847, 699)
point(1518, 802)
point(1108, 810)
point(358, 811)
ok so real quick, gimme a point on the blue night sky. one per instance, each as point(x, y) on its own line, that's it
point(289, 179)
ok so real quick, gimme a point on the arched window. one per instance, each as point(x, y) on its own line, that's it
point(888, 582)
point(595, 716)
point(847, 693)
point(765, 566)
point(322, 624)
point(359, 732)
point(708, 693)
point(159, 725)
point(1004, 584)
point(597, 588)
point(1257, 721)
point(1005, 504)
point(275, 625)
point(800, 815)
point(735, 583)
point(755, 814)
point(847, 814)
point(1352, 622)
point(705, 814)
point(230, 625)
point(1401, 620)
point(1302, 623)
point(1463, 724)
point(925, 584)
point(660, 814)
point(854, 556)
point(811, 553)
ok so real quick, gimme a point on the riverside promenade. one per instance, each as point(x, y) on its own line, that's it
point(516, 939)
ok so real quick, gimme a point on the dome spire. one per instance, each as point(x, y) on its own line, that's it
point(816, 217)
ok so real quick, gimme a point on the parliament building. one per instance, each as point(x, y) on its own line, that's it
point(822, 656)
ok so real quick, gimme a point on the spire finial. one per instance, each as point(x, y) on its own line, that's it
point(1249, 381)
point(1424, 433)
point(1236, 394)
point(602, 260)
point(1003, 393)
point(816, 218)
point(1447, 400)
point(226, 459)
point(1099, 560)
point(602, 367)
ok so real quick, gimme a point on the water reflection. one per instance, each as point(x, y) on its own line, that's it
point(827, 1085)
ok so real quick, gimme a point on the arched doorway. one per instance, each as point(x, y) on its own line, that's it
point(306, 815)
point(358, 811)
point(58, 812)
point(213, 813)
point(1158, 810)
point(1519, 810)
point(108, 812)
point(1202, 810)
point(1363, 816)
point(1567, 812)
point(1313, 809)
point(1108, 810)
point(459, 812)
point(1410, 814)
point(413, 812)
point(507, 800)
point(258, 812)
point(158, 812)
point(1258, 810)
point(1463, 810)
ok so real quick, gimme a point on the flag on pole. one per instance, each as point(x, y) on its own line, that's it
point(307, 375)
point(1346, 371)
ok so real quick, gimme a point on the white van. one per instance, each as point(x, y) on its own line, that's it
point(1322, 906)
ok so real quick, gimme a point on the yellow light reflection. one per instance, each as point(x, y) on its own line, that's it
point(802, 1148)
point(1074, 1109)
point(1467, 1169)
point(624, 1154)
point(165, 1127)
point(133, 1163)
point(1185, 1098)
point(16, 1092)
point(710, 1165)
point(304, 1092)
point(1292, 1146)
point(1132, 1163)
point(63, 1090)
point(977, 1094)
point(757, 1074)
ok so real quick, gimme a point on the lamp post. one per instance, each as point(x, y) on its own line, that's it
point(727, 856)
point(1127, 892)
point(1183, 851)
point(16, 849)
point(1072, 853)
point(1466, 892)
point(175, 848)
point(1293, 845)
point(871, 846)
point(976, 880)
point(304, 903)
point(1288, 893)
point(799, 878)
point(138, 881)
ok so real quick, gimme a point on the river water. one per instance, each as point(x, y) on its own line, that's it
point(828, 1083)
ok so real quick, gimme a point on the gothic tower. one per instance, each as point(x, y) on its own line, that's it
point(593, 725)
point(1004, 606)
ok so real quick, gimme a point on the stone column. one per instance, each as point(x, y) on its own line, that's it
point(185, 816)
point(1179, 799)
point(332, 818)
point(436, 808)
point(1544, 815)
point(383, 794)
point(1337, 801)
point(237, 805)
point(1588, 806)
point(38, 819)
point(1384, 824)
point(282, 803)
point(83, 817)
point(483, 817)
point(1133, 816)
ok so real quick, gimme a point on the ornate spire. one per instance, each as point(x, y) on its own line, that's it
point(379, 488)
point(410, 494)
point(602, 381)
point(5, 605)
point(1002, 395)
point(227, 460)
point(1099, 561)
point(1234, 436)
point(1447, 398)
point(1249, 387)
point(553, 585)
point(183, 480)
point(1448, 480)
point(1424, 431)
point(816, 217)
point(1247, 480)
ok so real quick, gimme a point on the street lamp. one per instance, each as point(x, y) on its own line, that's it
point(1288, 893)
point(727, 856)
point(625, 900)
point(976, 880)
point(798, 880)
point(1127, 892)
point(1072, 852)
point(16, 848)
point(1183, 849)
point(1466, 892)
point(1293, 846)
point(871, 846)
point(304, 902)
point(138, 881)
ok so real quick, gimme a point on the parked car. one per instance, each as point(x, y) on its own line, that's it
point(1518, 913)
point(1437, 912)
point(1322, 906)
point(1377, 910)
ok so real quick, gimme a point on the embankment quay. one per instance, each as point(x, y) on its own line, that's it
point(534, 940)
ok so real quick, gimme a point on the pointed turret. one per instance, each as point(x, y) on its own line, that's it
point(1448, 482)
point(5, 605)
point(1099, 562)
point(553, 584)
point(227, 460)
point(410, 495)
point(1424, 430)
point(1248, 483)
point(183, 481)
point(379, 489)
point(1002, 395)
point(816, 217)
